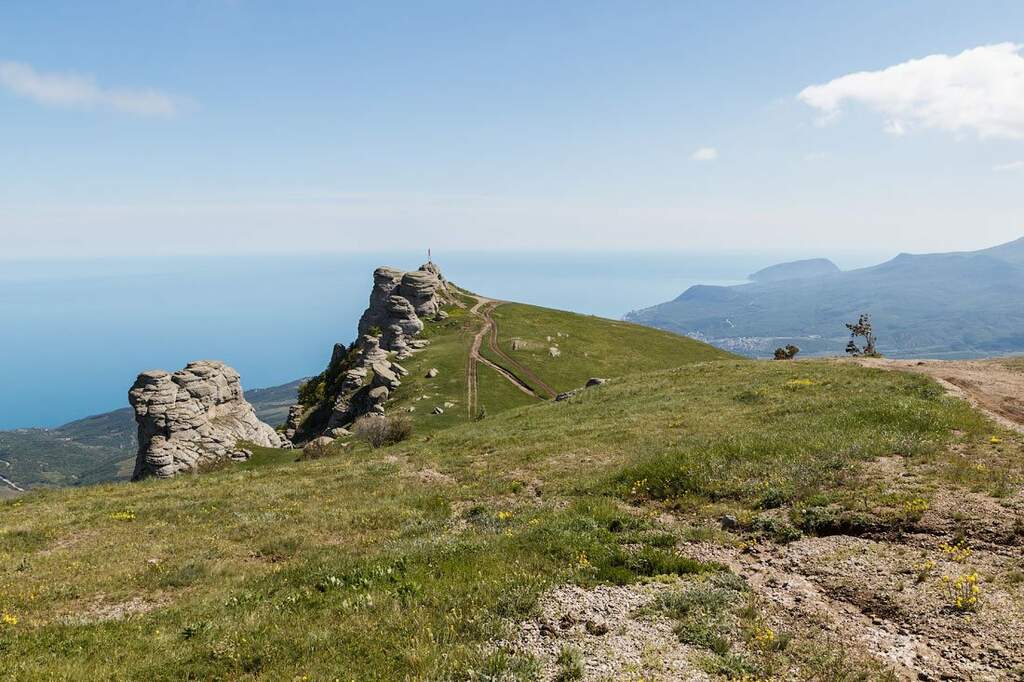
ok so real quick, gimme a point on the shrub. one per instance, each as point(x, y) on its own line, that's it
point(787, 353)
point(862, 328)
point(380, 431)
point(317, 448)
point(570, 664)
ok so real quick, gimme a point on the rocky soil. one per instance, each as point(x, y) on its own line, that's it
point(882, 596)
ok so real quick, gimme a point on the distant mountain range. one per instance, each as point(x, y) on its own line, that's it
point(958, 304)
point(101, 447)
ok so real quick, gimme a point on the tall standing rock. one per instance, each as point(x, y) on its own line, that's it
point(192, 417)
point(362, 377)
point(398, 301)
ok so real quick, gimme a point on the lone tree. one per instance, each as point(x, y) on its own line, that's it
point(787, 353)
point(862, 328)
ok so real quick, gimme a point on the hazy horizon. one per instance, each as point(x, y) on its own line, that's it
point(89, 326)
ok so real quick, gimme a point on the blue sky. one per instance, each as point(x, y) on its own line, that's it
point(133, 128)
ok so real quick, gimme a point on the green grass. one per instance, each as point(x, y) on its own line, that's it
point(361, 563)
point(589, 346)
point(598, 347)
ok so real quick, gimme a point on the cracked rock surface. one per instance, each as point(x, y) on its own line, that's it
point(192, 417)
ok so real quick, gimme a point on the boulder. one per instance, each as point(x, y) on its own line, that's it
point(432, 372)
point(383, 375)
point(317, 447)
point(193, 417)
point(594, 381)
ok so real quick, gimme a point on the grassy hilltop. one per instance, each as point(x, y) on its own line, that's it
point(429, 558)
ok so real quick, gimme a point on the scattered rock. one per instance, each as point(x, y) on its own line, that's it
point(593, 381)
point(193, 417)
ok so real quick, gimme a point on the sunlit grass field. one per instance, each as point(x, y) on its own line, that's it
point(411, 561)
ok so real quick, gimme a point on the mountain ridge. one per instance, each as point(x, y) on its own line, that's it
point(911, 297)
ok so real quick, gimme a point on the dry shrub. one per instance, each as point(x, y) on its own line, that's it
point(317, 448)
point(380, 431)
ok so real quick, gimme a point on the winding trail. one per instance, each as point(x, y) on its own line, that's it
point(489, 329)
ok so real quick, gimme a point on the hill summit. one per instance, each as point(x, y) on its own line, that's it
point(813, 267)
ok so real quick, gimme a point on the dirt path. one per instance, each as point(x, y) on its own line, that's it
point(11, 483)
point(990, 385)
point(483, 308)
point(492, 344)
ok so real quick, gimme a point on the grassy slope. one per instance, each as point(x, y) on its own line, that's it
point(589, 346)
point(596, 347)
point(405, 562)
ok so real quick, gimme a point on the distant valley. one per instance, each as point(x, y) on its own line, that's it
point(964, 304)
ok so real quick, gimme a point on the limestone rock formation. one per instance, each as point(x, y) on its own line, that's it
point(192, 417)
point(362, 377)
point(398, 301)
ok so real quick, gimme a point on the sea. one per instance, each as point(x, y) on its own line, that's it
point(75, 333)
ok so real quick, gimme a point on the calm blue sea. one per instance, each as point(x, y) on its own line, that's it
point(74, 334)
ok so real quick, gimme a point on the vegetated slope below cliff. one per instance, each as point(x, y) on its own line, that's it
point(101, 447)
point(790, 510)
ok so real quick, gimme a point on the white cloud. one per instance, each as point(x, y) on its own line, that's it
point(980, 90)
point(74, 90)
point(705, 154)
point(1011, 166)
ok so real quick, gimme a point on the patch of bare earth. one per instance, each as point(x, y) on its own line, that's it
point(886, 595)
point(99, 610)
point(615, 641)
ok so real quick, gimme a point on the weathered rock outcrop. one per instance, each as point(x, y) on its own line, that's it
point(398, 301)
point(192, 417)
point(360, 378)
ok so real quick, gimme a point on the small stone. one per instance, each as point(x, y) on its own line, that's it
point(595, 381)
point(729, 522)
point(438, 410)
point(432, 372)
